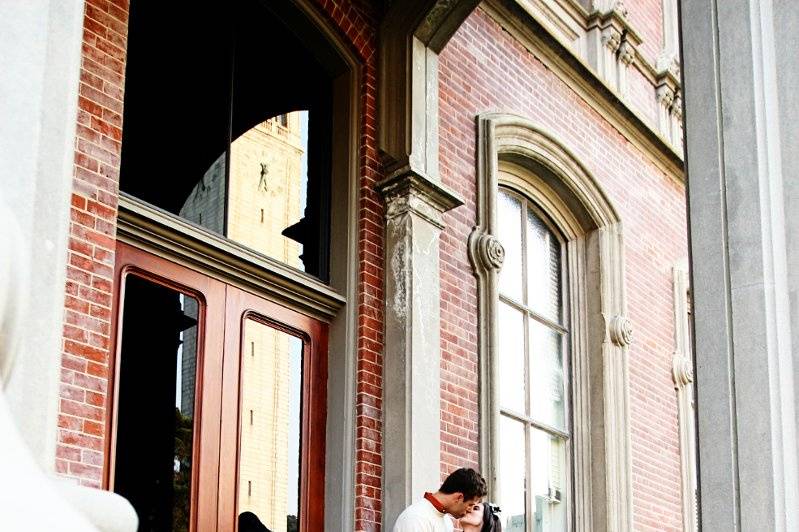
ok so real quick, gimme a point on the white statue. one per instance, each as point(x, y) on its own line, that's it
point(30, 499)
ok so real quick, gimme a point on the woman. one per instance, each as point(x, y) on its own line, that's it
point(482, 518)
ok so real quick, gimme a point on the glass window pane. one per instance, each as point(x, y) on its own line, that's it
point(509, 233)
point(511, 358)
point(269, 445)
point(547, 384)
point(512, 480)
point(158, 368)
point(543, 269)
point(548, 479)
point(253, 150)
point(268, 186)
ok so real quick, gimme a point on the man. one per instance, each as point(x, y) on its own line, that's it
point(462, 489)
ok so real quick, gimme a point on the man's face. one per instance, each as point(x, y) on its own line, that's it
point(462, 507)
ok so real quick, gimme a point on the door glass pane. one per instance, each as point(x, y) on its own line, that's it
point(269, 444)
point(547, 386)
point(510, 235)
point(155, 425)
point(548, 479)
point(543, 269)
point(511, 358)
point(512, 466)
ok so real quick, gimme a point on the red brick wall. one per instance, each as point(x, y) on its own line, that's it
point(646, 18)
point(85, 372)
point(474, 79)
point(87, 318)
point(642, 96)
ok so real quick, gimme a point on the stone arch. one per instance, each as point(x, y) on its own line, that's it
point(517, 153)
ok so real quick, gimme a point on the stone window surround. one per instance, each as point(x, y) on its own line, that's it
point(544, 170)
point(683, 374)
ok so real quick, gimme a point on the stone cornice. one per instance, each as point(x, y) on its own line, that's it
point(615, 18)
point(586, 83)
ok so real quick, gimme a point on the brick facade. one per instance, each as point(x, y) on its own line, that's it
point(85, 372)
point(469, 84)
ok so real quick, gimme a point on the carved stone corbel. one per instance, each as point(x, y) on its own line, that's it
point(607, 31)
point(682, 371)
point(621, 331)
point(664, 94)
point(627, 54)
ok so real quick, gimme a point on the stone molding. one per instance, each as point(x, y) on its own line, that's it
point(531, 160)
point(683, 375)
point(621, 331)
point(587, 82)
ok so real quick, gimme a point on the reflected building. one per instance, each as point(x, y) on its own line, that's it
point(265, 188)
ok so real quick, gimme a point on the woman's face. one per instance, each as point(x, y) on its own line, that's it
point(474, 517)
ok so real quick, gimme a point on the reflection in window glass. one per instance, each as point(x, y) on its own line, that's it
point(533, 379)
point(510, 235)
point(548, 480)
point(158, 368)
point(511, 358)
point(269, 444)
point(253, 157)
point(268, 181)
point(548, 399)
point(512, 466)
point(543, 268)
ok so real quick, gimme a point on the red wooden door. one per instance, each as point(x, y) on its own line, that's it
point(248, 378)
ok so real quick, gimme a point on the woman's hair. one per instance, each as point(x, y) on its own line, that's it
point(491, 521)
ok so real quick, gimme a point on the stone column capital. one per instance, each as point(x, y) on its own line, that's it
point(411, 192)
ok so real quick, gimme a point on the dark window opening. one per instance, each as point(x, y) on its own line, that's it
point(213, 134)
point(155, 432)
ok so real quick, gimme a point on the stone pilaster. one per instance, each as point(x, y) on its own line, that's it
point(611, 43)
point(414, 209)
point(741, 72)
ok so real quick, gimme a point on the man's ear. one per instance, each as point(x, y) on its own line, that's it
point(460, 497)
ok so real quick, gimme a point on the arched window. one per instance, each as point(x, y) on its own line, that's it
point(533, 361)
point(554, 404)
point(229, 120)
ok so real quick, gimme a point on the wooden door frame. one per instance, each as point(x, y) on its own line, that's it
point(210, 293)
point(242, 305)
point(222, 311)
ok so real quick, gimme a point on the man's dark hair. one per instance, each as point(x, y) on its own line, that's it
point(467, 481)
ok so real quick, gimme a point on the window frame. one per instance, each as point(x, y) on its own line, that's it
point(515, 152)
point(506, 184)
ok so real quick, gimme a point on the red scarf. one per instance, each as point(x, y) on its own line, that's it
point(435, 502)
